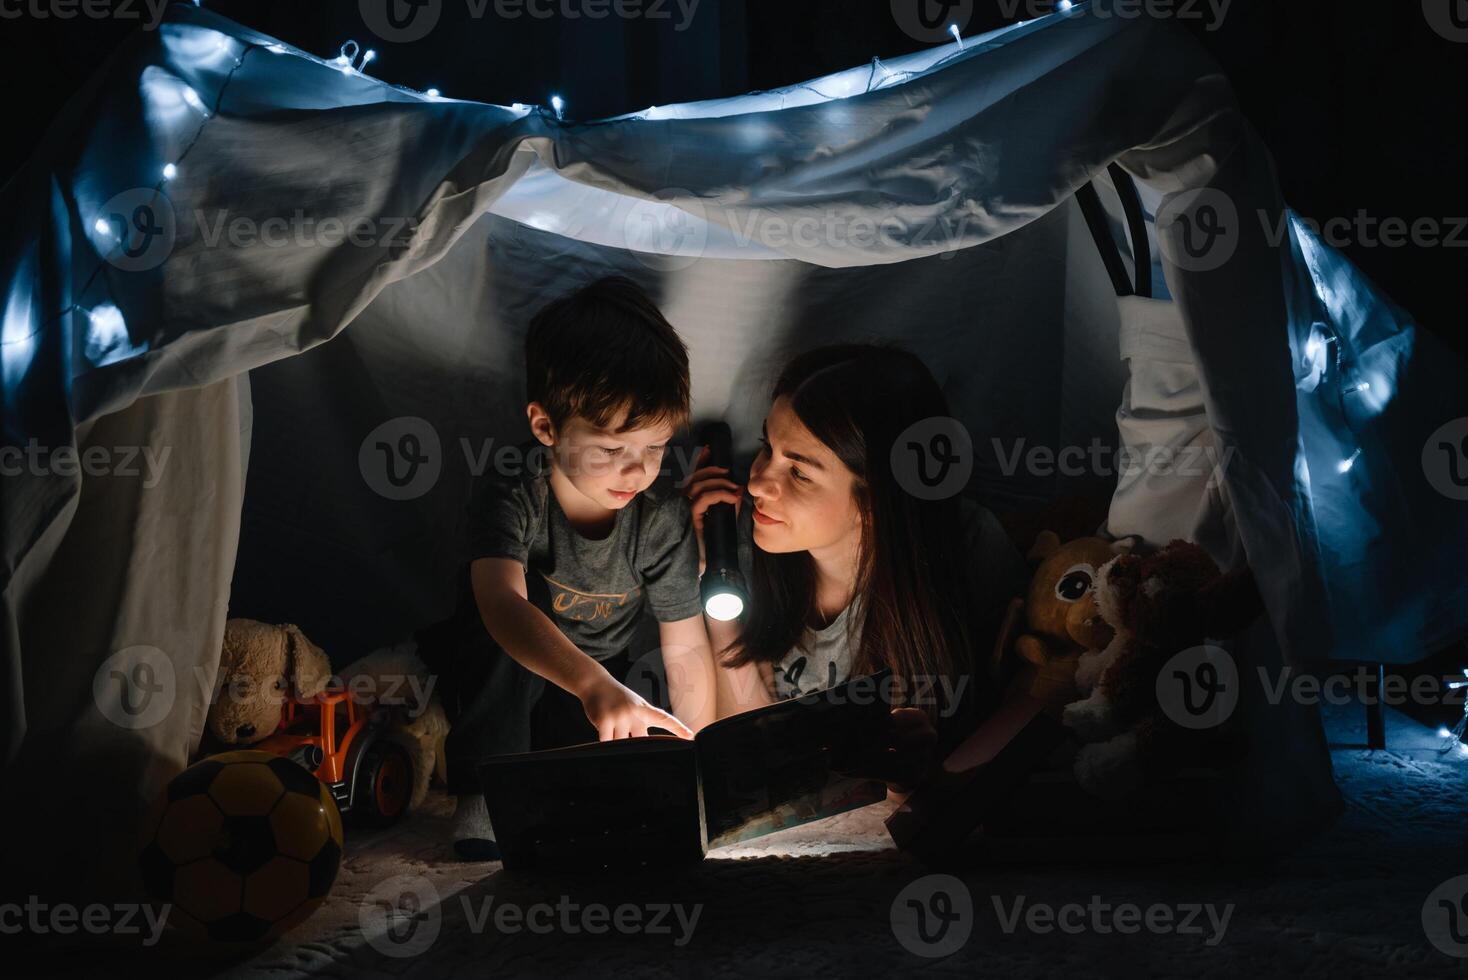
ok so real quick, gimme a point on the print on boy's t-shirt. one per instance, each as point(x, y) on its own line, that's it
point(569, 602)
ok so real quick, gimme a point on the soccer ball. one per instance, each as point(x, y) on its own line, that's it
point(243, 846)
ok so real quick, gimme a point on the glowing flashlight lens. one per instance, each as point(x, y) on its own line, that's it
point(724, 606)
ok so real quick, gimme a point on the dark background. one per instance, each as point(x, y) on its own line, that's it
point(1361, 103)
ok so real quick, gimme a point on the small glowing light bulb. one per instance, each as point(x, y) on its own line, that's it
point(170, 171)
point(433, 93)
point(1065, 5)
point(370, 56)
point(1349, 462)
point(102, 227)
point(558, 104)
point(953, 29)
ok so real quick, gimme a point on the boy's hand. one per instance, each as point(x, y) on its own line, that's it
point(618, 712)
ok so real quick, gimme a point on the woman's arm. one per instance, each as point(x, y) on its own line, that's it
point(739, 688)
point(688, 664)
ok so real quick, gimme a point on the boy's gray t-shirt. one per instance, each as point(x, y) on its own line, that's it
point(595, 590)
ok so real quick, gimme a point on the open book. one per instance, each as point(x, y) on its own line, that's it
point(663, 800)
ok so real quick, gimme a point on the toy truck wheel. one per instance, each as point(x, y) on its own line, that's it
point(384, 785)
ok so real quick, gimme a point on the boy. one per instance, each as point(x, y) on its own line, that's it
point(566, 555)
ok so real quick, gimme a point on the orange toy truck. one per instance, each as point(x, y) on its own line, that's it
point(345, 745)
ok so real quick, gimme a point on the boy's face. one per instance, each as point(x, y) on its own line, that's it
point(606, 466)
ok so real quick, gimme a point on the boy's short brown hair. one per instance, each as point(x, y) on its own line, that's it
point(603, 348)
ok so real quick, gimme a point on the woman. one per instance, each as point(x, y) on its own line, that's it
point(849, 572)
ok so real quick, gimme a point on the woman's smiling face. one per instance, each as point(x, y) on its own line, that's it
point(803, 494)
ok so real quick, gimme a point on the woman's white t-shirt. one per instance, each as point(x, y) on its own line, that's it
point(821, 660)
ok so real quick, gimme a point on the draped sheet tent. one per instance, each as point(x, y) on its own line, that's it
point(173, 275)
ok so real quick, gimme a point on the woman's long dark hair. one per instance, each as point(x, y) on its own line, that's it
point(913, 577)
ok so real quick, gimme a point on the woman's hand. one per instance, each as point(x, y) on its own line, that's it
point(706, 486)
point(618, 712)
point(903, 755)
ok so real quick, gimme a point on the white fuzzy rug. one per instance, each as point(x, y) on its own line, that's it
point(819, 900)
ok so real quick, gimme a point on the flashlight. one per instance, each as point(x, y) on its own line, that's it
point(722, 586)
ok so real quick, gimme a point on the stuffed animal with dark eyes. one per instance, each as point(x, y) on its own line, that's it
point(1059, 617)
point(1156, 606)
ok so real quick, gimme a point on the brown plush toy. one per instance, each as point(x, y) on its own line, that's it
point(257, 666)
point(1159, 605)
point(1060, 617)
